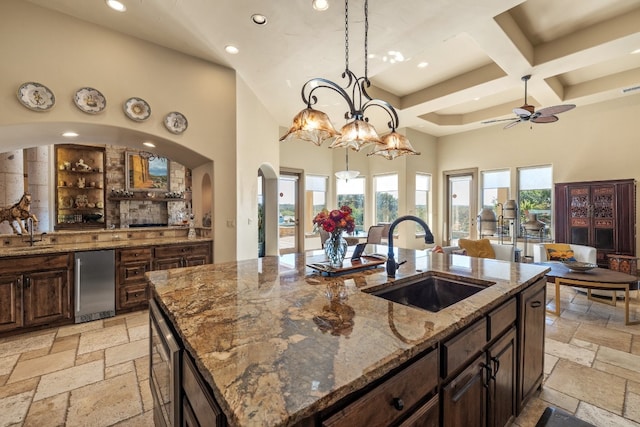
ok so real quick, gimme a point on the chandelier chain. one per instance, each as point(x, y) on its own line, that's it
point(366, 40)
point(346, 34)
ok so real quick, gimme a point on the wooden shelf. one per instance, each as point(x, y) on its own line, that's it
point(147, 199)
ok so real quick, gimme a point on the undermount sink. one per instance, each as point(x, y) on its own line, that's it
point(431, 293)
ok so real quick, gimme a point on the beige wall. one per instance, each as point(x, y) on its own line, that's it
point(66, 54)
point(588, 143)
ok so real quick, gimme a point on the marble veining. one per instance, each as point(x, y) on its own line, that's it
point(276, 350)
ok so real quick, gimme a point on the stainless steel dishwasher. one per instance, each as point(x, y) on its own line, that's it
point(95, 287)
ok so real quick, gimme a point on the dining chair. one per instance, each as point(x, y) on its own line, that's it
point(385, 231)
point(324, 235)
point(374, 235)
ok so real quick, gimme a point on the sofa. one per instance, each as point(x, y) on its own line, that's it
point(503, 252)
point(580, 253)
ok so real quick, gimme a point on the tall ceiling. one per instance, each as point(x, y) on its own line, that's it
point(577, 51)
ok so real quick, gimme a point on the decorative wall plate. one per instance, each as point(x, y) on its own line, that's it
point(137, 109)
point(175, 122)
point(36, 97)
point(90, 100)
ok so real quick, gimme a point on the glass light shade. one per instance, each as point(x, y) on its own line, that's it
point(393, 145)
point(510, 210)
point(311, 125)
point(487, 222)
point(355, 135)
point(347, 174)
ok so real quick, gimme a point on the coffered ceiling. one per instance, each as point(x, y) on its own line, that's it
point(577, 51)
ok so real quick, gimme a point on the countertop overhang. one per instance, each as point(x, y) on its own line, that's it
point(274, 348)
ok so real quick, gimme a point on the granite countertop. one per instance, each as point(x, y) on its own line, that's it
point(275, 349)
point(121, 241)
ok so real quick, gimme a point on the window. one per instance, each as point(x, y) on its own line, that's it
point(351, 193)
point(534, 195)
point(495, 188)
point(315, 199)
point(423, 187)
point(386, 193)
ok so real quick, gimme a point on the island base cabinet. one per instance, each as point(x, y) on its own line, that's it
point(395, 399)
point(531, 340)
point(198, 407)
point(464, 400)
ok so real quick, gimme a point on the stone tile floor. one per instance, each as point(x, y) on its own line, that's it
point(96, 374)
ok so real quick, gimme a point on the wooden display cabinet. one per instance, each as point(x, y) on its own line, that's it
point(80, 182)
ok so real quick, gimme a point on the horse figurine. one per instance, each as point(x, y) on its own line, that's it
point(18, 213)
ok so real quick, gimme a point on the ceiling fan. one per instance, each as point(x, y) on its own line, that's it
point(527, 112)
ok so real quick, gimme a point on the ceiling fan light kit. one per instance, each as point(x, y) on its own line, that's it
point(527, 112)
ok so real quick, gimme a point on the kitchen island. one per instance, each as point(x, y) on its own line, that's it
point(277, 343)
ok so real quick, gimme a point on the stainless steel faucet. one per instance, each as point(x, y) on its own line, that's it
point(392, 265)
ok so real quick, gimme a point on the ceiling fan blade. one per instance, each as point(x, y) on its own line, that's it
point(515, 122)
point(556, 109)
point(497, 120)
point(545, 119)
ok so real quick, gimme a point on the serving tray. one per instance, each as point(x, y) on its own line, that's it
point(365, 262)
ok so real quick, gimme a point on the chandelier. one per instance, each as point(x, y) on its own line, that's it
point(347, 174)
point(314, 125)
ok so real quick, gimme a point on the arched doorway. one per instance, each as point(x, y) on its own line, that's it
point(267, 205)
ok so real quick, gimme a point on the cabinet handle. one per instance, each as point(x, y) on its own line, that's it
point(496, 367)
point(27, 282)
point(397, 403)
point(536, 304)
point(19, 283)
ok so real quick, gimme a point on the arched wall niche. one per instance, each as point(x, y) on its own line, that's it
point(19, 137)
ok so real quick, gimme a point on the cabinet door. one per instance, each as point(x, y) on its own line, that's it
point(428, 415)
point(464, 400)
point(531, 340)
point(196, 260)
point(167, 263)
point(502, 386)
point(46, 297)
point(10, 302)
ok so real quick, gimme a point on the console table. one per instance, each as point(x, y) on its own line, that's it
point(598, 278)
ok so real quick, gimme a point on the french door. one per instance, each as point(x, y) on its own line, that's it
point(289, 234)
point(462, 201)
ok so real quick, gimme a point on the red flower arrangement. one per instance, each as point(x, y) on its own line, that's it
point(336, 221)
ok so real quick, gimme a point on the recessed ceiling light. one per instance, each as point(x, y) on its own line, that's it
point(116, 5)
point(635, 51)
point(423, 64)
point(320, 5)
point(231, 49)
point(149, 144)
point(70, 134)
point(259, 19)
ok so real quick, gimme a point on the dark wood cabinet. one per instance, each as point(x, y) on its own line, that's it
point(198, 406)
point(600, 214)
point(531, 341)
point(35, 291)
point(183, 255)
point(132, 291)
point(479, 369)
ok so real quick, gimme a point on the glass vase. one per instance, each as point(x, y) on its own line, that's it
point(336, 249)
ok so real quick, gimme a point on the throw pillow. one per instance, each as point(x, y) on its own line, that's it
point(559, 252)
point(477, 248)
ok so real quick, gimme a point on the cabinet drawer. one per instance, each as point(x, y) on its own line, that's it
point(134, 254)
point(501, 318)
point(204, 409)
point(173, 251)
point(392, 399)
point(133, 272)
point(134, 295)
point(37, 263)
point(463, 347)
